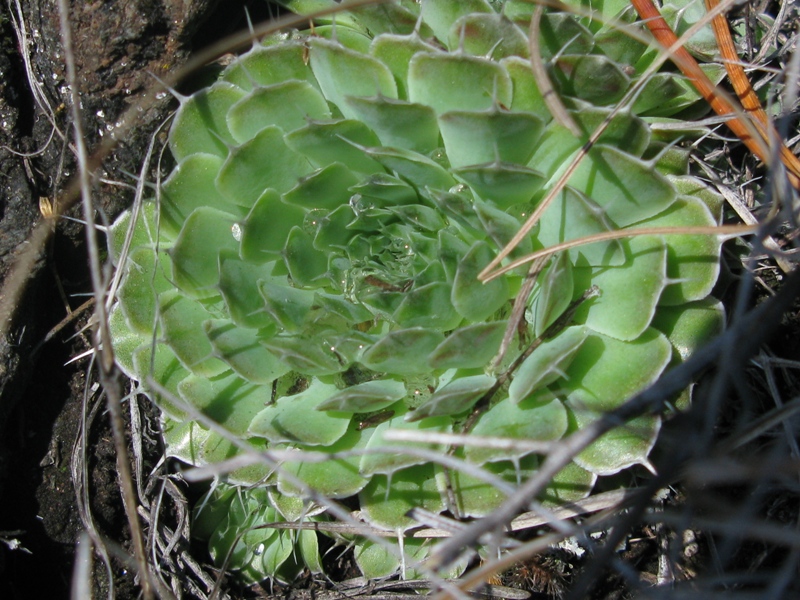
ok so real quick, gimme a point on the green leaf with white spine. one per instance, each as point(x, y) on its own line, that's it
point(145, 231)
point(377, 462)
point(312, 355)
point(527, 96)
point(264, 232)
point(428, 306)
point(501, 227)
point(624, 446)
point(692, 263)
point(473, 138)
point(241, 348)
point(200, 124)
point(182, 323)
point(690, 326)
point(287, 105)
point(146, 279)
point(334, 477)
point(327, 188)
point(612, 371)
point(441, 16)
point(553, 293)
point(295, 418)
point(307, 265)
point(396, 51)
point(191, 185)
point(239, 286)
point(229, 400)
point(629, 293)
point(327, 142)
point(473, 299)
point(342, 72)
point(448, 82)
point(260, 163)
point(369, 396)
point(475, 498)
point(457, 396)
point(403, 352)
point(126, 341)
point(388, 498)
point(398, 123)
point(590, 77)
point(417, 169)
point(546, 363)
point(488, 34)
point(166, 370)
point(472, 346)
point(268, 65)
point(206, 233)
point(539, 417)
point(572, 216)
point(628, 189)
point(570, 484)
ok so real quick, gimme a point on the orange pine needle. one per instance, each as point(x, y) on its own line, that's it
point(688, 66)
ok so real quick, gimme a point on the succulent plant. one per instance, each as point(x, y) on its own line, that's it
point(310, 270)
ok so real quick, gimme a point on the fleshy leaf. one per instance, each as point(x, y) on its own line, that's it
point(692, 260)
point(263, 234)
point(472, 298)
point(690, 326)
point(620, 311)
point(295, 418)
point(628, 189)
point(325, 188)
point(191, 185)
point(342, 73)
point(403, 352)
point(182, 323)
point(286, 105)
point(398, 123)
point(366, 397)
point(458, 396)
point(612, 370)
point(387, 498)
point(146, 279)
point(335, 477)
point(205, 234)
point(230, 400)
point(622, 447)
point(260, 163)
point(553, 293)
point(473, 138)
point(468, 347)
point(447, 82)
point(539, 417)
point(200, 124)
point(241, 349)
point(306, 354)
point(327, 142)
point(546, 363)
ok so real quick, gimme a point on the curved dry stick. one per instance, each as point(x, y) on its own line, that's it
point(616, 234)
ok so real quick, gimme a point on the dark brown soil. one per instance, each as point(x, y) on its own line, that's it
point(120, 45)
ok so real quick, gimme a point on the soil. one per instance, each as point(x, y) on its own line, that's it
point(119, 46)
